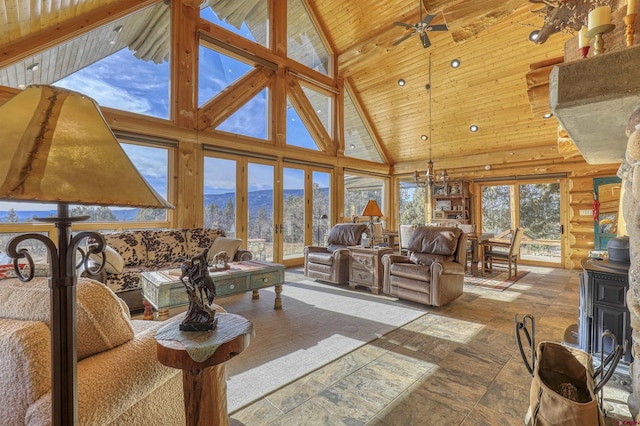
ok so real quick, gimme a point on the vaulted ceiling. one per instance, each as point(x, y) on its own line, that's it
point(489, 89)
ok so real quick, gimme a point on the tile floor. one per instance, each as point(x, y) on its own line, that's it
point(457, 365)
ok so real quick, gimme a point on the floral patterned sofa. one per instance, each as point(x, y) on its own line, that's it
point(153, 249)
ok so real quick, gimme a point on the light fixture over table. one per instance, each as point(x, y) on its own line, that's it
point(57, 148)
point(428, 178)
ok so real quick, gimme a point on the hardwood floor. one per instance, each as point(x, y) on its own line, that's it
point(456, 365)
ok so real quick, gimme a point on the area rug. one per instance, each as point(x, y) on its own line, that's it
point(319, 323)
point(497, 281)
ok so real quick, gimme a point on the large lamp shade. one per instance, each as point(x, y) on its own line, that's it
point(57, 147)
point(372, 209)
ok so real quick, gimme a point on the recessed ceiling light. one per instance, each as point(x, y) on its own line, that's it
point(352, 146)
point(401, 82)
point(533, 36)
point(473, 128)
point(33, 67)
point(424, 137)
point(455, 63)
point(547, 115)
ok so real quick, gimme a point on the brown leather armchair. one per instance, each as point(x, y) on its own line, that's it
point(432, 273)
point(331, 263)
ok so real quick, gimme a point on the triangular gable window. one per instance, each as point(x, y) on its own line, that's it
point(357, 140)
point(247, 18)
point(216, 72)
point(321, 105)
point(303, 40)
point(251, 119)
point(297, 133)
point(122, 65)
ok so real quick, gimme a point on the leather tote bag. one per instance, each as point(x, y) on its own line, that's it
point(562, 389)
point(563, 386)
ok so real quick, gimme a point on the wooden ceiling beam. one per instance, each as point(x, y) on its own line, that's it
point(38, 42)
point(242, 47)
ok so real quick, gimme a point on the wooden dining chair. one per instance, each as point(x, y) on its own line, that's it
point(503, 252)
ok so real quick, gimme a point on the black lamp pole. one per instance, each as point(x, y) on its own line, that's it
point(62, 282)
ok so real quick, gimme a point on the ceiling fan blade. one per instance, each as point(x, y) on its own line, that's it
point(402, 24)
point(439, 27)
point(401, 39)
point(428, 19)
point(425, 40)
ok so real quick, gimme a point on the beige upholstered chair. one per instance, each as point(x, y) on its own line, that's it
point(503, 252)
point(331, 263)
point(119, 378)
point(433, 271)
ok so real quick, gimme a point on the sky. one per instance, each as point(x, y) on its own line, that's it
point(124, 82)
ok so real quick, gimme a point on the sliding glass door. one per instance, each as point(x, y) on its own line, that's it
point(293, 211)
point(261, 210)
point(306, 210)
point(533, 205)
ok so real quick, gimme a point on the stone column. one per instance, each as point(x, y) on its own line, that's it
point(629, 172)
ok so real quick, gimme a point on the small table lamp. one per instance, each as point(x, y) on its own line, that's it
point(58, 148)
point(372, 210)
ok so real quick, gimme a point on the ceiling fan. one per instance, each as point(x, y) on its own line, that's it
point(422, 28)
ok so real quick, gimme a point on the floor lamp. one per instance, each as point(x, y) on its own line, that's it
point(323, 217)
point(57, 148)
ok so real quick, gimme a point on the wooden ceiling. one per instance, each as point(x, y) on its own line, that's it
point(490, 38)
point(489, 89)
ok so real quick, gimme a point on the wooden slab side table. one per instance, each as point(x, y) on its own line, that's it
point(201, 356)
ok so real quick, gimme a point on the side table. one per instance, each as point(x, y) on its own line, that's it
point(365, 267)
point(201, 356)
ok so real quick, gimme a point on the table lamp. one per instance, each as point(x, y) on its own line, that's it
point(58, 148)
point(372, 210)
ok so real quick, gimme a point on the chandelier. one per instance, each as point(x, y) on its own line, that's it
point(429, 177)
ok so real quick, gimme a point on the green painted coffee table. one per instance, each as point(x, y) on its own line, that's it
point(163, 289)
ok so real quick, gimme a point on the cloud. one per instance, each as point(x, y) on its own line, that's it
point(124, 82)
point(219, 175)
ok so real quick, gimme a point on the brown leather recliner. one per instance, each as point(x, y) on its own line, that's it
point(331, 263)
point(433, 271)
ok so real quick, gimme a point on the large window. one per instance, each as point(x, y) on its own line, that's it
point(304, 43)
point(123, 64)
point(360, 189)
point(358, 143)
point(216, 71)
point(247, 19)
point(412, 208)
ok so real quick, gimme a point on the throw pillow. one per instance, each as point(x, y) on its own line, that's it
point(114, 264)
point(229, 245)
